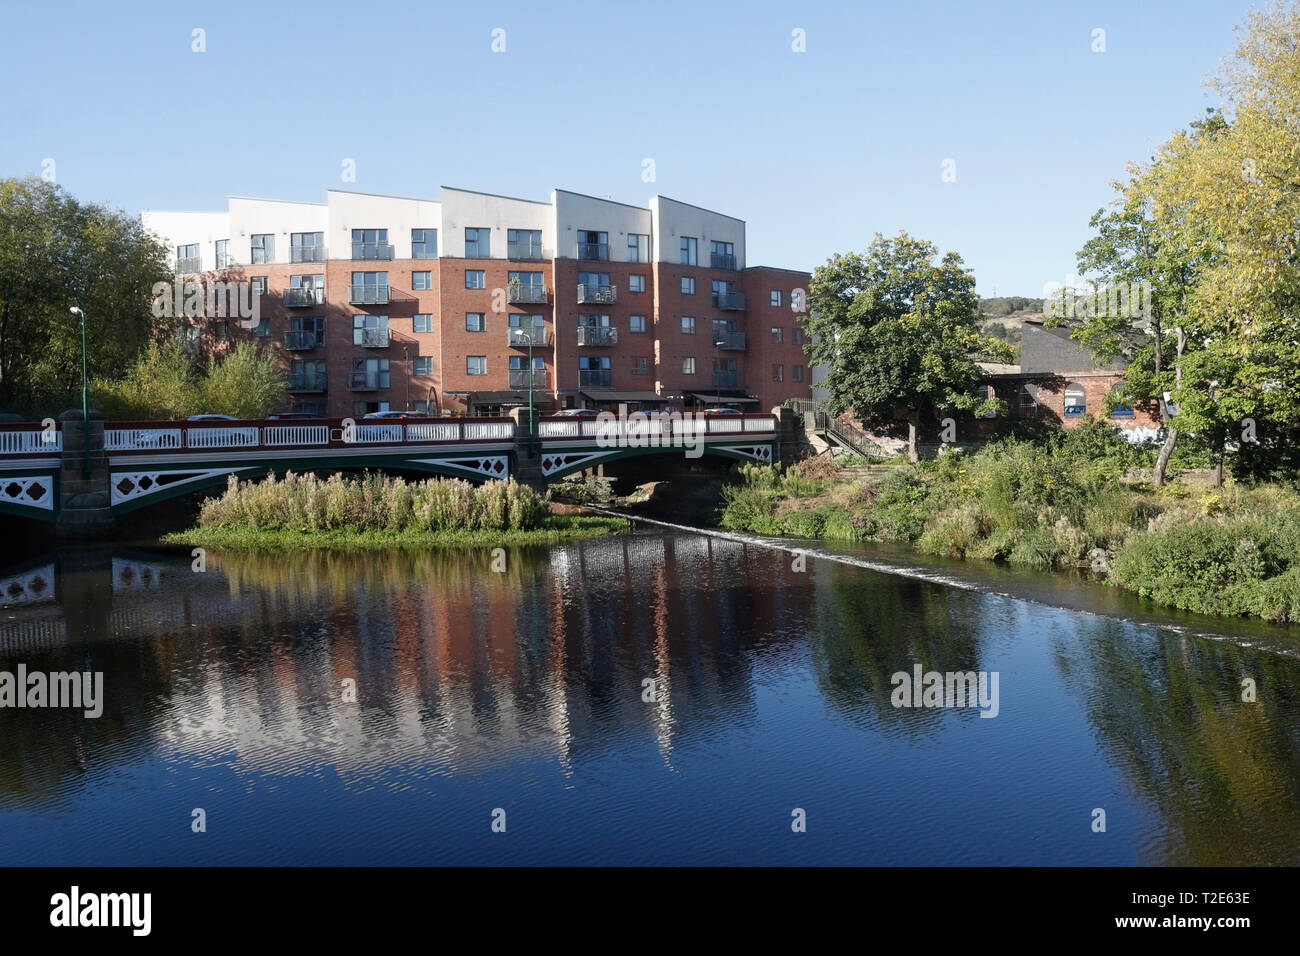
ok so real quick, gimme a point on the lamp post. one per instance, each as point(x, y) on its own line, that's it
point(85, 396)
point(717, 372)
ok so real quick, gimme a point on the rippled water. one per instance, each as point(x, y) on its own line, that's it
point(524, 691)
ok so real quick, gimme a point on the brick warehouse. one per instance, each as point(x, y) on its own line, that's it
point(388, 303)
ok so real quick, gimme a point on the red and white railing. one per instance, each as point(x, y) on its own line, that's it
point(656, 425)
point(122, 437)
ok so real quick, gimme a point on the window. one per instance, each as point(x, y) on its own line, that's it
point(474, 279)
point(688, 325)
point(223, 253)
point(776, 298)
point(636, 283)
point(369, 373)
point(592, 321)
point(307, 375)
point(422, 322)
point(1122, 409)
point(475, 322)
point(638, 248)
point(371, 244)
point(306, 331)
point(636, 323)
point(424, 243)
point(594, 371)
point(722, 255)
point(522, 321)
point(796, 373)
point(1076, 400)
point(478, 244)
point(778, 373)
point(423, 366)
point(365, 408)
point(531, 279)
point(593, 279)
point(309, 408)
point(307, 247)
point(310, 289)
point(421, 281)
point(263, 328)
point(475, 364)
point(187, 258)
point(258, 285)
point(593, 244)
point(422, 405)
point(689, 247)
point(688, 365)
point(221, 330)
point(370, 330)
point(263, 248)
point(524, 243)
point(369, 288)
point(519, 363)
point(776, 335)
point(796, 336)
point(688, 285)
point(641, 365)
point(1028, 400)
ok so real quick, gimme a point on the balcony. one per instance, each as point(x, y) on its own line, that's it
point(720, 260)
point(307, 254)
point(729, 301)
point(522, 338)
point(297, 340)
point(368, 295)
point(307, 382)
point(529, 251)
point(371, 338)
point(597, 294)
point(594, 250)
point(372, 250)
point(294, 298)
point(363, 381)
point(591, 378)
point(730, 341)
point(189, 266)
point(522, 378)
point(726, 379)
point(597, 335)
point(532, 293)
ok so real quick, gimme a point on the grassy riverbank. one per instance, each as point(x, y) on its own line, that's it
point(377, 512)
point(1064, 502)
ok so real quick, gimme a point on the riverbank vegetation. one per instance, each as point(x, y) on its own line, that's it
point(1073, 499)
point(378, 511)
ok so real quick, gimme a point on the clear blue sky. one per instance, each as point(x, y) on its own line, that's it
point(816, 151)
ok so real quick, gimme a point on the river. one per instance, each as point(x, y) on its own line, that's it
point(664, 697)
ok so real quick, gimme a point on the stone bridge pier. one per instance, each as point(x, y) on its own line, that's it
point(84, 493)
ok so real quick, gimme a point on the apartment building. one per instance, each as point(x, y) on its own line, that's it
point(458, 305)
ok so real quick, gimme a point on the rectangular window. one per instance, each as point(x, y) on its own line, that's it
point(258, 285)
point(641, 365)
point(690, 254)
point(796, 336)
point(593, 245)
point(796, 373)
point(370, 331)
point(638, 248)
point(636, 323)
point(777, 334)
point(592, 321)
point(371, 244)
point(263, 328)
point(475, 279)
point(424, 243)
point(307, 247)
point(221, 330)
point(306, 331)
point(776, 298)
point(478, 244)
point(722, 255)
point(688, 365)
point(475, 322)
point(423, 366)
point(593, 280)
point(524, 243)
point(475, 364)
point(522, 321)
point(688, 325)
point(778, 373)
point(636, 283)
point(422, 405)
point(223, 253)
point(688, 285)
point(187, 258)
point(422, 322)
point(370, 373)
point(421, 281)
point(263, 248)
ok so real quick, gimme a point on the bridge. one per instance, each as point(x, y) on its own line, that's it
point(83, 478)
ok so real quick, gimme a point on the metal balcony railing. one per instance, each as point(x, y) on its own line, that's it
point(528, 292)
point(372, 250)
point(522, 338)
point(307, 254)
point(363, 381)
point(597, 294)
point(726, 379)
point(522, 378)
point(371, 338)
point(729, 301)
point(524, 250)
point(730, 341)
point(723, 260)
point(295, 340)
point(307, 382)
point(300, 297)
point(368, 295)
point(597, 335)
point(589, 378)
point(189, 265)
point(594, 250)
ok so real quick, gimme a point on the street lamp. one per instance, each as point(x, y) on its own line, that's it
point(85, 395)
point(717, 372)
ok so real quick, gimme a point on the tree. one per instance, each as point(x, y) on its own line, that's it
point(56, 252)
point(897, 326)
point(166, 383)
point(247, 383)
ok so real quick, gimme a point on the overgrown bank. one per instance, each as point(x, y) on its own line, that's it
point(377, 511)
point(1064, 502)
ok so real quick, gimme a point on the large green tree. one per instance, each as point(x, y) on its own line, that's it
point(897, 327)
point(56, 252)
point(167, 383)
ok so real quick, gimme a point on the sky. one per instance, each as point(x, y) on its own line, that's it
point(816, 150)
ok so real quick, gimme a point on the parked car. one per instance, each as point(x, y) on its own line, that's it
point(577, 413)
point(384, 415)
point(722, 411)
point(293, 416)
point(207, 417)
